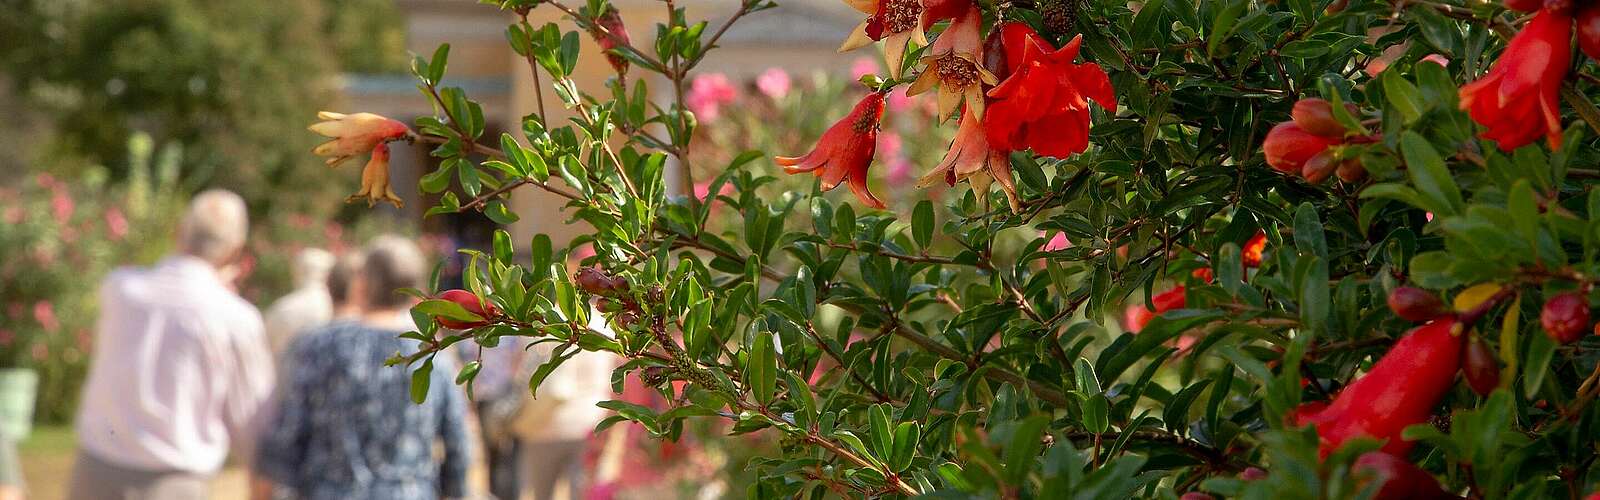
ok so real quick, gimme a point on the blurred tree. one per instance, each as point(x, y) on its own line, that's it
point(231, 82)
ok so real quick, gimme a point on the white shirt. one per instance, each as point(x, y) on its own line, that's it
point(180, 370)
point(305, 307)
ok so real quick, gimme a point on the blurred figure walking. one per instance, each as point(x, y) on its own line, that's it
point(308, 305)
point(344, 426)
point(180, 367)
point(341, 281)
point(555, 428)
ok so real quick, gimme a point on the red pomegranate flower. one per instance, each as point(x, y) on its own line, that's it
point(953, 63)
point(1044, 103)
point(845, 150)
point(897, 23)
point(972, 160)
point(356, 134)
point(1516, 99)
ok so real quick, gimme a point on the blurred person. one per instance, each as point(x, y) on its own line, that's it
point(309, 305)
point(555, 428)
point(499, 392)
point(341, 279)
point(11, 486)
point(344, 426)
point(180, 370)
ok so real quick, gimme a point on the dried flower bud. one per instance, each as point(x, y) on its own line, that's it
point(1415, 304)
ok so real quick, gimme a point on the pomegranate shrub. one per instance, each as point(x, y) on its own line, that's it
point(1230, 249)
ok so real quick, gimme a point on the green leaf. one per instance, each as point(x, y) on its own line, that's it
point(1096, 410)
point(1403, 97)
point(1430, 176)
point(502, 246)
point(906, 437)
point(446, 309)
point(496, 211)
point(468, 372)
point(1541, 351)
point(922, 223)
point(762, 368)
point(436, 67)
point(1023, 450)
point(421, 378)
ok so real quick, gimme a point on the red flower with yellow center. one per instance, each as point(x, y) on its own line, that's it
point(845, 151)
point(972, 160)
point(1044, 103)
point(1517, 98)
point(953, 65)
point(897, 23)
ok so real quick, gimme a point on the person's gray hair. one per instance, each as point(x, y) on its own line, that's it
point(343, 276)
point(214, 226)
point(392, 262)
point(311, 267)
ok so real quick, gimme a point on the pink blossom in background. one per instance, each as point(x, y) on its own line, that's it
point(1438, 59)
point(301, 221)
point(47, 180)
point(899, 171)
point(898, 101)
point(889, 145)
point(116, 224)
point(7, 337)
point(13, 215)
point(702, 190)
point(1057, 243)
point(707, 95)
point(602, 491)
point(1429, 216)
point(863, 66)
point(61, 206)
point(774, 82)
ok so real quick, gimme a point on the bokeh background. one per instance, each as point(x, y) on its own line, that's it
point(116, 111)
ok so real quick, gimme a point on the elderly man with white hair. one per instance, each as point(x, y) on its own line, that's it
point(180, 371)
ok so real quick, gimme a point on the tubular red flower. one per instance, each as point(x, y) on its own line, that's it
point(971, 159)
point(1044, 103)
point(845, 151)
point(353, 134)
point(1402, 389)
point(1138, 315)
point(1517, 99)
point(375, 180)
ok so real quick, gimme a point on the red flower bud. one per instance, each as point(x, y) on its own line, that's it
point(471, 303)
point(1251, 253)
point(994, 54)
point(1481, 370)
point(611, 20)
point(597, 282)
point(1415, 304)
point(1351, 171)
point(1315, 115)
point(1401, 389)
point(1288, 146)
point(1203, 274)
point(1401, 480)
point(1588, 26)
point(1319, 167)
point(1565, 317)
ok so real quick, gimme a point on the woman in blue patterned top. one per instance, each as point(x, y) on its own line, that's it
point(345, 427)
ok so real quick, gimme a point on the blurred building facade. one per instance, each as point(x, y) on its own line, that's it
point(799, 36)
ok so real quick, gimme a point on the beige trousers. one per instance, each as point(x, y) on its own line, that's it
point(553, 470)
point(96, 479)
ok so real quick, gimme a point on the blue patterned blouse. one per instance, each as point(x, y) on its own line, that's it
point(345, 427)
